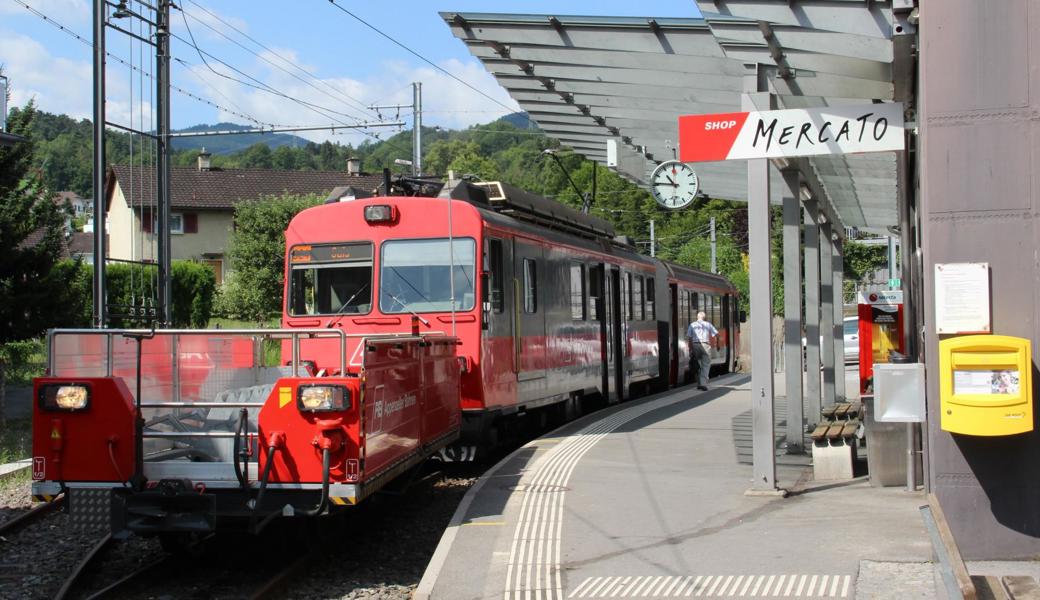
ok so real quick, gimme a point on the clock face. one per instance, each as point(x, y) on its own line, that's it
point(674, 184)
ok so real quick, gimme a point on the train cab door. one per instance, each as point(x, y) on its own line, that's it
point(673, 334)
point(529, 310)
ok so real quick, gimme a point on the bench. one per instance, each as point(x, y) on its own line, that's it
point(835, 442)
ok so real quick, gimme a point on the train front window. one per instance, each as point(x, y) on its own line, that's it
point(414, 275)
point(330, 279)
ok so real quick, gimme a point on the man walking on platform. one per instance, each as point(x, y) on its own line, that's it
point(699, 335)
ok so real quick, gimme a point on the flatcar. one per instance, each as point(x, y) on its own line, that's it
point(550, 307)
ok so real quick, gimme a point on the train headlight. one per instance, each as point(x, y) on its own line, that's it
point(322, 398)
point(379, 213)
point(64, 397)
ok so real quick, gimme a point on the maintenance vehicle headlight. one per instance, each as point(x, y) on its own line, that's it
point(64, 397)
point(322, 398)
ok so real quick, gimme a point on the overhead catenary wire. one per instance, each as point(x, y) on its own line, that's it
point(347, 97)
point(54, 23)
point(423, 58)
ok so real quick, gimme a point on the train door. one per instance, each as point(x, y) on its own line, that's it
point(500, 366)
point(617, 335)
point(673, 334)
point(600, 301)
point(727, 301)
point(529, 335)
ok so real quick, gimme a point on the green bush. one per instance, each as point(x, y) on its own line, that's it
point(132, 286)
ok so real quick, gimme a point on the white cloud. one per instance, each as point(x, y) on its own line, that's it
point(72, 11)
point(446, 102)
point(59, 85)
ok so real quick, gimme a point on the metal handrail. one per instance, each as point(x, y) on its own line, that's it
point(293, 334)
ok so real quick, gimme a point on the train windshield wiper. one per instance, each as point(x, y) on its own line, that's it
point(346, 304)
point(405, 306)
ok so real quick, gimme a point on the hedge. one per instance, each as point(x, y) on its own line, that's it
point(130, 285)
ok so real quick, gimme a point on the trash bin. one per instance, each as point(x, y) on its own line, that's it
point(888, 415)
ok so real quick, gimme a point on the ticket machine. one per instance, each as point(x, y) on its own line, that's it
point(880, 332)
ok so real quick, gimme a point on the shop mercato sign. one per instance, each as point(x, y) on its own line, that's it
point(793, 132)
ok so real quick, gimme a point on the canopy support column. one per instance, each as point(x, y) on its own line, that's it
point(812, 314)
point(827, 311)
point(838, 260)
point(793, 313)
point(763, 409)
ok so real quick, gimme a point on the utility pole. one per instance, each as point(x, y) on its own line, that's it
point(3, 103)
point(416, 107)
point(99, 164)
point(162, 157)
point(714, 267)
point(653, 242)
point(417, 128)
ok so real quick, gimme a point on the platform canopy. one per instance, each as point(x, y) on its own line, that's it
point(587, 81)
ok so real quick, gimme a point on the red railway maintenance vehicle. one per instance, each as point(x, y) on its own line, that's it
point(408, 321)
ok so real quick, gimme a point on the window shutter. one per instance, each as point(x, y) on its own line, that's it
point(146, 221)
point(191, 223)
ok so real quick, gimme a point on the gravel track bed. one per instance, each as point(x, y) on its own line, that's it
point(378, 552)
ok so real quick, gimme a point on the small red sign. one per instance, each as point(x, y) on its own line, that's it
point(352, 469)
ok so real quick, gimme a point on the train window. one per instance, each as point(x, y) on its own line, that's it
point(626, 294)
point(595, 290)
point(530, 286)
point(421, 275)
point(651, 310)
point(577, 292)
point(494, 265)
point(330, 279)
point(637, 299)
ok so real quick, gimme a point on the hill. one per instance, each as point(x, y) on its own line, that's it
point(229, 144)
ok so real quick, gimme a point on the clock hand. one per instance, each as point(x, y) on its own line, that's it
point(671, 181)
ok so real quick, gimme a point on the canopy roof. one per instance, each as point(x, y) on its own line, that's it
point(588, 80)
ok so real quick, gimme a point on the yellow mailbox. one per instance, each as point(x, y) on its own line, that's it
point(986, 385)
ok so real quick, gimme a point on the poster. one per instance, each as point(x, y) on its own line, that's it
point(962, 298)
point(987, 382)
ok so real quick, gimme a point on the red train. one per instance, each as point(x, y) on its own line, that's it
point(410, 323)
point(548, 305)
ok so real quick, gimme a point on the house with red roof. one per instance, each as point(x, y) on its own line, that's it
point(202, 205)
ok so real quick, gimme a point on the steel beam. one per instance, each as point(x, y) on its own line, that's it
point(763, 410)
point(812, 314)
point(827, 311)
point(792, 214)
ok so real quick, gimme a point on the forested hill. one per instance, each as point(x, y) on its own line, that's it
point(509, 149)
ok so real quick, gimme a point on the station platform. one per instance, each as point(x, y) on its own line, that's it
point(647, 500)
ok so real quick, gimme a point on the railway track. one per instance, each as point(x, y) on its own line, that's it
point(30, 516)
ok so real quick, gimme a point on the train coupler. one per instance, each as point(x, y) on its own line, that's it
point(172, 505)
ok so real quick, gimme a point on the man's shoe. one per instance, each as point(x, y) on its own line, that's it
point(702, 387)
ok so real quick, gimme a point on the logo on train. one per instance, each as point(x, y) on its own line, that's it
point(389, 408)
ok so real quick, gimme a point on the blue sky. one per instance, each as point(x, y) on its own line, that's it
point(323, 56)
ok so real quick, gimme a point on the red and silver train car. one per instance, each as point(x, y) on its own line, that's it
point(408, 322)
point(548, 306)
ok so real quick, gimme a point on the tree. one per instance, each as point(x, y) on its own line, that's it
point(33, 295)
point(257, 253)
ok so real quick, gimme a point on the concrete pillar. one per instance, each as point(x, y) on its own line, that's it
point(813, 392)
point(793, 313)
point(827, 311)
